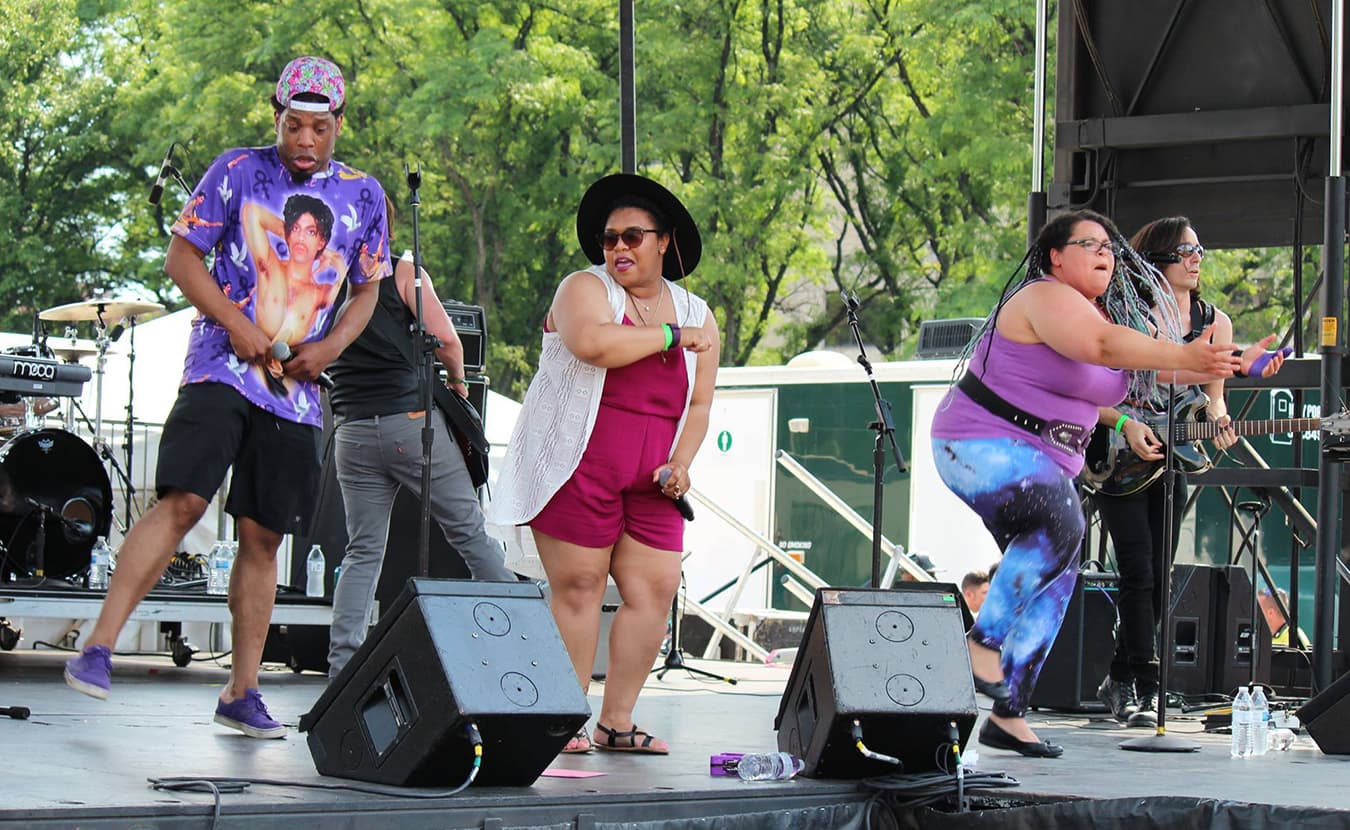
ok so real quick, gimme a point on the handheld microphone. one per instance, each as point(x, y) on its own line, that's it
point(281, 350)
point(681, 503)
point(165, 170)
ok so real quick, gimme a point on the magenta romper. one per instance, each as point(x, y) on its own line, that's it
point(612, 492)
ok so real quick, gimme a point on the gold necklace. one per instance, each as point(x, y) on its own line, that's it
point(636, 304)
point(660, 297)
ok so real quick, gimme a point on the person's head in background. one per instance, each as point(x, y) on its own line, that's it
point(974, 587)
point(1274, 618)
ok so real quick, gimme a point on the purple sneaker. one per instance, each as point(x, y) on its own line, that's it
point(249, 715)
point(91, 672)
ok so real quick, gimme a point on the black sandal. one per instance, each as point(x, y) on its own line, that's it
point(613, 737)
point(581, 749)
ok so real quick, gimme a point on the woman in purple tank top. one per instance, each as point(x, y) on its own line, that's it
point(1009, 438)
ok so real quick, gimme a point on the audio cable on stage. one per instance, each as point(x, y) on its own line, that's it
point(218, 786)
point(867, 753)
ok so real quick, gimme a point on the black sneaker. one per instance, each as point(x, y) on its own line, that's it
point(1146, 715)
point(1118, 695)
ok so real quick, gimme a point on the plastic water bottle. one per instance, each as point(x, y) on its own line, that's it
point(218, 566)
point(100, 561)
point(1241, 745)
point(1281, 740)
point(1260, 722)
point(768, 766)
point(314, 572)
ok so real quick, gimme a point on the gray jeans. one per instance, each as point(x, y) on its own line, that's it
point(375, 457)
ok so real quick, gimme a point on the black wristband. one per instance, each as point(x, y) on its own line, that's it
point(1238, 373)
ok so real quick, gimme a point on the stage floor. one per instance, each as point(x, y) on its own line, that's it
point(82, 761)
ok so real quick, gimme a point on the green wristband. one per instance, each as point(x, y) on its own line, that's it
point(1121, 423)
point(670, 335)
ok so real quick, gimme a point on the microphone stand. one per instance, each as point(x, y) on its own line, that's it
point(128, 441)
point(1160, 741)
point(106, 453)
point(425, 346)
point(884, 426)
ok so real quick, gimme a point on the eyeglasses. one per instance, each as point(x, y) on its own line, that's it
point(632, 237)
point(1092, 246)
point(1185, 249)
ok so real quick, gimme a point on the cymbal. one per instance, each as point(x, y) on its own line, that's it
point(112, 310)
point(71, 350)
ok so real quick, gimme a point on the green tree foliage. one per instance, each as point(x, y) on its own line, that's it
point(876, 145)
point(64, 172)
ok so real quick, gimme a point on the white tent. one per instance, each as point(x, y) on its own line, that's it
point(149, 385)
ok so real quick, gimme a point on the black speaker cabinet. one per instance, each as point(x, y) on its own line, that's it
point(470, 323)
point(447, 653)
point(1327, 717)
point(1081, 655)
point(896, 661)
point(1190, 644)
point(1234, 646)
point(1212, 648)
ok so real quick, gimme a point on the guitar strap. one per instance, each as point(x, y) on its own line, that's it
point(1202, 316)
point(1062, 434)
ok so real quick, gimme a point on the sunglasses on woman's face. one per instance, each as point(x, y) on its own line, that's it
point(632, 237)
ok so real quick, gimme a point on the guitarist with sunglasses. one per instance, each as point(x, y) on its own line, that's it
point(1133, 505)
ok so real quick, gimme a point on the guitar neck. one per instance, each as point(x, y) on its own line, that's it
point(1206, 430)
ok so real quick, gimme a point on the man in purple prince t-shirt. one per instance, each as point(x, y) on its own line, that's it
point(286, 225)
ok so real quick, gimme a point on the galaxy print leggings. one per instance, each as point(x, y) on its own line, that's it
point(1031, 507)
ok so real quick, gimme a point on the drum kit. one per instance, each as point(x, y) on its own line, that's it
point(56, 498)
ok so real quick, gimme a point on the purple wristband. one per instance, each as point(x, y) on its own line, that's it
point(674, 337)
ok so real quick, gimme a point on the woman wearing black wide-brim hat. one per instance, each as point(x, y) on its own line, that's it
point(602, 448)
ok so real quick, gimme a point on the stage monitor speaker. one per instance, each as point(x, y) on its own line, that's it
point(1327, 717)
point(894, 660)
point(1190, 644)
point(1234, 645)
point(1212, 646)
point(449, 653)
point(1081, 655)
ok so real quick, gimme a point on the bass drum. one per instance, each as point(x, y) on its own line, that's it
point(50, 479)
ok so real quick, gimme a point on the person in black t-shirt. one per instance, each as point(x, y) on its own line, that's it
point(378, 449)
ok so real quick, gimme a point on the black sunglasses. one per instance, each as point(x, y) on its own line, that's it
point(632, 237)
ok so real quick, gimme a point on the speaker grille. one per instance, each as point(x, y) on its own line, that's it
point(946, 338)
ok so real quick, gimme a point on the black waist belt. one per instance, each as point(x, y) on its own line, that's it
point(1061, 434)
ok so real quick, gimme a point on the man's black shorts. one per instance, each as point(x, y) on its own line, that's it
point(276, 462)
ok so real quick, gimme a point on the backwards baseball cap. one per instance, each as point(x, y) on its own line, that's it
point(313, 75)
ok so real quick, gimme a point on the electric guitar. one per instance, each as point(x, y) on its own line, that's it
point(1111, 468)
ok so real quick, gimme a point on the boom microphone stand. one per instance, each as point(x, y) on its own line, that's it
point(884, 426)
point(1160, 741)
point(674, 658)
point(424, 345)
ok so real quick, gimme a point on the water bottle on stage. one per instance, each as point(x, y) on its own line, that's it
point(1260, 722)
point(1241, 745)
point(314, 572)
point(100, 562)
point(218, 566)
point(769, 766)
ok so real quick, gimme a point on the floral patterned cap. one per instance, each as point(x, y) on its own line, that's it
point(311, 74)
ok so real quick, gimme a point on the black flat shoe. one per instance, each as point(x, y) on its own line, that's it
point(997, 691)
point(993, 735)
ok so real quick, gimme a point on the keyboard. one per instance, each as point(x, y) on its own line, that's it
point(40, 376)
